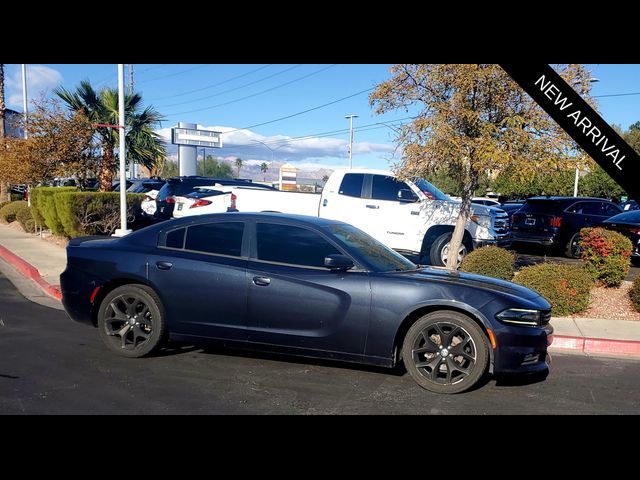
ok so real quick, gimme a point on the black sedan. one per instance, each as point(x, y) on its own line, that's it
point(628, 224)
point(303, 286)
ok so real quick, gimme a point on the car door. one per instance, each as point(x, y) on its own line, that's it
point(199, 271)
point(295, 302)
point(390, 215)
point(347, 204)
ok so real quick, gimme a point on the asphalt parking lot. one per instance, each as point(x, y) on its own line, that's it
point(51, 365)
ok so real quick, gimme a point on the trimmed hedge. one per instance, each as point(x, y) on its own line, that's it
point(92, 213)
point(9, 211)
point(567, 287)
point(634, 293)
point(23, 215)
point(2, 204)
point(607, 255)
point(38, 202)
point(490, 261)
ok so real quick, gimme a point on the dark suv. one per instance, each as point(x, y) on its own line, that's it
point(557, 221)
point(181, 186)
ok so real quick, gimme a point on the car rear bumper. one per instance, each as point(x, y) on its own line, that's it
point(535, 239)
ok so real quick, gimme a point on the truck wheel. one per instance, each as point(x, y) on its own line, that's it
point(439, 252)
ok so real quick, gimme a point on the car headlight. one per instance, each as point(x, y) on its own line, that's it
point(521, 317)
point(482, 220)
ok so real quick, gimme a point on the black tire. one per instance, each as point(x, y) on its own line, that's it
point(131, 321)
point(436, 367)
point(572, 249)
point(438, 247)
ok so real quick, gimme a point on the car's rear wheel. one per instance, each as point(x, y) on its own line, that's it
point(446, 352)
point(131, 321)
point(573, 249)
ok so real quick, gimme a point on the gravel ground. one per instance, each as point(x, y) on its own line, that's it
point(611, 304)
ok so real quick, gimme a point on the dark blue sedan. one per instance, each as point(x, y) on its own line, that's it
point(302, 286)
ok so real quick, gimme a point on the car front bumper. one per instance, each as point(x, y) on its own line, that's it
point(522, 350)
point(503, 242)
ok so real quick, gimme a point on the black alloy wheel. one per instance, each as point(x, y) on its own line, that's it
point(446, 352)
point(131, 321)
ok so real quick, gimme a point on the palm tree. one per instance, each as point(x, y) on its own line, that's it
point(4, 187)
point(263, 168)
point(143, 145)
point(238, 165)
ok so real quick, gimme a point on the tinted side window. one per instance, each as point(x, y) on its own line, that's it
point(293, 245)
point(576, 208)
point(386, 188)
point(175, 239)
point(351, 185)
point(223, 238)
point(592, 208)
point(610, 209)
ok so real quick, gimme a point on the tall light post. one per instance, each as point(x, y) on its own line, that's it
point(350, 118)
point(577, 178)
point(122, 231)
point(24, 97)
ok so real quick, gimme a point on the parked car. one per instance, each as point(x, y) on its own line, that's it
point(144, 185)
point(510, 207)
point(556, 221)
point(488, 202)
point(629, 205)
point(410, 216)
point(181, 186)
point(627, 223)
point(304, 286)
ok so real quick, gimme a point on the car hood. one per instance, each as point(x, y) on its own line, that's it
point(472, 281)
point(476, 208)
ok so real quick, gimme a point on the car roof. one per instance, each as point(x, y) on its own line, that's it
point(569, 199)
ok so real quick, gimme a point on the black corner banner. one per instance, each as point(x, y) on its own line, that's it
point(581, 122)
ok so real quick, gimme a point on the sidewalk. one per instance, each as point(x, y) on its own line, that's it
point(43, 262)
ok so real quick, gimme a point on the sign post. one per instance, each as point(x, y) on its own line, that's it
point(189, 138)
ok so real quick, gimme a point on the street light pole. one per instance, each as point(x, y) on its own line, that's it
point(24, 97)
point(577, 179)
point(122, 231)
point(350, 118)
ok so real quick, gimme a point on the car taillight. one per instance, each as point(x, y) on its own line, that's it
point(555, 222)
point(170, 200)
point(429, 195)
point(147, 198)
point(635, 230)
point(200, 203)
point(233, 200)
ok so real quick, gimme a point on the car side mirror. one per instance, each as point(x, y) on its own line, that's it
point(405, 195)
point(338, 262)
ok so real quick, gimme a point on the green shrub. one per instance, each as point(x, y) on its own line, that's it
point(9, 211)
point(23, 215)
point(607, 255)
point(567, 287)
point(634, 293)
point(490, 261)
point(36, 195)
point(93, 213)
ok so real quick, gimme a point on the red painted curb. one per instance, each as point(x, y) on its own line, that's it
point(29, 271)
point(596, 345)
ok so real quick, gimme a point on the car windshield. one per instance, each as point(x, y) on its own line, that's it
point(379, 256)
point(430, 190)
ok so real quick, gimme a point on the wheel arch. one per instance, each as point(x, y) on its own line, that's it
point(435, 231)
point(444, 305)
point(107, 288)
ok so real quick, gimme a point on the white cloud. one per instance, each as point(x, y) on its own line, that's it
point(39, 80)
point(281, 148)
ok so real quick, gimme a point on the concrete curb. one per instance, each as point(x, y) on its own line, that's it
point(31, 272)
point(596, 346)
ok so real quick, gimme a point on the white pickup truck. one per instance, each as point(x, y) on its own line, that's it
point(409, 216)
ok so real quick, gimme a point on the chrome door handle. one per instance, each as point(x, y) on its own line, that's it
point(164, 265)
point(373, 207)
point(261, 281)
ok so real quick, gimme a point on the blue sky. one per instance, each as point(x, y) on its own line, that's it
point(232, 97)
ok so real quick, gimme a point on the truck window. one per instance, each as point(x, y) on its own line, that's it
point(387, 188)
point(351, 185)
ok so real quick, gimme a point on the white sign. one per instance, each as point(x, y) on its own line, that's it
point(196, 138)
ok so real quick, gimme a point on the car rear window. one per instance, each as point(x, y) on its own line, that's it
point(542, 206)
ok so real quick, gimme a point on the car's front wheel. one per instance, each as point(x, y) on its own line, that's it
point(446, 352)
point(131, 321)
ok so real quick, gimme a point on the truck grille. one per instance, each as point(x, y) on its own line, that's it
point(501, 224)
